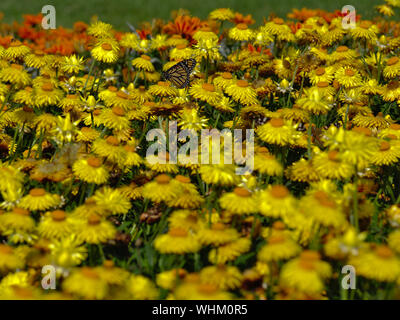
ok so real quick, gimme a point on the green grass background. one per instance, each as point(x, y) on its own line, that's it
point(118, 12)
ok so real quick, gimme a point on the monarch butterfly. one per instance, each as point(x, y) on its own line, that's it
point(179, 74)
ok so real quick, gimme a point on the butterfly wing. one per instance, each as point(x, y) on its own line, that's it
point(179, 74)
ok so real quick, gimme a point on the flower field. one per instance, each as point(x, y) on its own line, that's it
point(81, 198)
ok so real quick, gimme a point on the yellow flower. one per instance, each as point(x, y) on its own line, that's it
point(100, 29)
point(241, 32)
point(142, 288)
point(106, 50)
point(86, 283)
point(392, 69)
point(217, 234)
point(222, 14)
point(330, 165)
point(387, 154)
point(277, 131)
point(55, 225)
point(306, 273)
point(95, 230)
point(240, 201)
point(177, 241)
point(314, 101)
point(46, 95)
point(72, 64)
point(205, 92)
point(15, 74)
point(276, 201)
point(229, 251)
point(223, 276)
point(380, 264)
point(90, 170)
point(241, 92)
point(280, 246)
point(112, 201)
point(16, 50)
point(68, 252)
point(9, 260)
point(143, 63)
point(366, 30)
point(162, 89)
point(114, 118)
point(39, 199)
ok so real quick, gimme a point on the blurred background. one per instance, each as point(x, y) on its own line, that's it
point(118, 12)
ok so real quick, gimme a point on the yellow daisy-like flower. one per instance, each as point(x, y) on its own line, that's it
point(39, 199)
point(112, 201)
point(114, 118)
point(240, 201)
point(279, 29)
point(241, 32)
point(87, 135)
point(385, 10)
point(217, 234)
point(16, 50)
point(106, 51)
point(222, 14)
point(392, 69)
point(331, 166)
point(181, 52)
point(388, 154)
point(348, 77)
point(277, 131)
point(177, 241)
point(193, 289)
point(242, 92)
point(142, 288)
point(229, 251)
point(163, 188)
point(9, 260)
point(143, 63)
point(68, 251)
point(366, 30)
point(223, 276)
point(55, 225)
point(266, 163)
point(320, 207)
point(276, 201)
point(100, 29)
point(46, 95)
point(109, 148)
point(302, 171)
point(280, 246)
point(95, 230)
point(306, 273)
point(321, 74)
point(72, 64)
point(16, 75)
point(224, 80)
point(205, 92)
point(219, 174)
point(162, 89)
point(37, 60)
point(90, 170)
point(86, 283)
point(380, 264)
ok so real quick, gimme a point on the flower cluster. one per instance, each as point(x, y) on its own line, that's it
point(77, 191)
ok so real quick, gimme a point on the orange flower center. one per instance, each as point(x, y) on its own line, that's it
point(163, 179)
point(279, 192)
point(15, 44)
point(108, 263)
point(181, 46)
point(94, 162)
point(218, 226)
point(279, 225)
point(365, 131)
point(276, 239)
point(58, 215)
point(310, 255)
point(392, 61)
point(163, 83)
point(89, 273)
point(276, 122)
point(342, 49)
point(94, 219)
point(71, 96)
point(122, 95)
point(365, 24)
point(37, 192)
point(208, 87)
point(112, 89)
point(226, 75)
point(21, 211)
point(112, 141)
point(16, 66)
point(242, 192)
point(384, 252)
point(182, 179)
point(320, 71)
point(118, 111)
point(384, 146)
point(242, 26)
point(177, 232)
point(279, 21)
point(395, 126)
point(349, 72)
point(47, 86)
point(333, 155)
point(207, 288)
point(322, 84)
point(106, 46)
point(145, 57)
point(5, 249)
point(129, 148)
